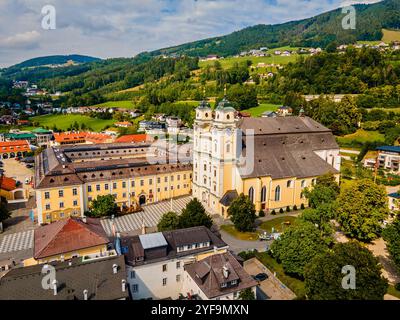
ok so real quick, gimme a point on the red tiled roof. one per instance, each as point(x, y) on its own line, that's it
point(67, 235)
point(133, 138)
point(7, 184)
point(69, 136)
point(14, 146)
point(98, 137)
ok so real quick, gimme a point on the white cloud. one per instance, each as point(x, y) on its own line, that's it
point(126, 27)
point(26, 40)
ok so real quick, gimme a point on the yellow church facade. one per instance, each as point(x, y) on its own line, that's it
point(271, 160)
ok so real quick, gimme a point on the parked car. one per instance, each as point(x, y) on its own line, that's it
point(265, 236)
point(260, 277)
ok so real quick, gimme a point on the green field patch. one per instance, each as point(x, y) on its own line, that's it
point(390, 35)
point(259, 110)
point(248, 236)
point(278, 223)
point(64, 121)
point(360, 137)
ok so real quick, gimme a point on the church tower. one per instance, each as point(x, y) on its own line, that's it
point(214, 153)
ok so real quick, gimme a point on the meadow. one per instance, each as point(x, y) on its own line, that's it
point(259, 110)
point(64, 121)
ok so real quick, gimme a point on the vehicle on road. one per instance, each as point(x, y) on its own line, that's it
point(265, 236)
point(260, 277)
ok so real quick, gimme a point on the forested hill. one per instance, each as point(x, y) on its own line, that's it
point(317, 31)
point(53, 60)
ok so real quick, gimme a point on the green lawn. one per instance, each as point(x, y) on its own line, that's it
point(390, 35)
point(395, 110)
point(249, 236)
point(258, 111)
point(361, 136)
point(296, 285)
point(125, 104)
point(277, 224)
point(64, 121)
point(229, 62)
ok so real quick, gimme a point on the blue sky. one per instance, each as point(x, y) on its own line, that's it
point(124, 28)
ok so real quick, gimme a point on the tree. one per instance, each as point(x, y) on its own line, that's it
point(4, 213)
point(247, 294)
point(320, 217)
point(194, 215)
point(168, 221)
point(324, 277)
point(361, 208)
point(103, 206)
point(297, 246)
point(391, 234)
point(242, 213)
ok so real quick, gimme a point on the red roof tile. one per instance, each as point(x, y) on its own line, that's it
point(67, 235)
point(7, 184)
point(69, 136)
point(14, 146)
point(133, 138)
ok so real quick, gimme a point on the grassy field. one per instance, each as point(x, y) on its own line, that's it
point(390, 35)
point(296, 285)
point(229, 62)
point(361, 136)
point(249, 236)
point(64, 121)
point(258, 111)
point(116, 104)
point(277, 223)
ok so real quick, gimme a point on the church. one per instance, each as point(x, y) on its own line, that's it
point(272, 160)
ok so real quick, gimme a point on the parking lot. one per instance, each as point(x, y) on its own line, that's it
point(18, 171)
point(272, 287)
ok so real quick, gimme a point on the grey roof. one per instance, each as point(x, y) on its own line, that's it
point(95, 276)
point(282, 125)
point(228, 197)
point(174, 238)
point(285, 147)
point(152, 240)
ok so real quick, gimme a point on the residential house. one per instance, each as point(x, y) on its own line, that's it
point(69, 238)
point(217, 277)
point(389, 158)
point(12, 149)
point(77, 279)
point(156, 262)
point(123, 124)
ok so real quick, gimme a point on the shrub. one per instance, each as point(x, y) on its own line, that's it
point(261, 213)
point(294, 208)
point(280, 210)
point(273, 212)
point(397, 286)
point(288, 209)
point(302, 206)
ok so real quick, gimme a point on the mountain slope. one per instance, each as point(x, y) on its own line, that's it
point(316, 31)
point(52, 60)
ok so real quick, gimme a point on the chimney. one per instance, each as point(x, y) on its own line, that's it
point(225, 271)
point(123, 283)
point(55, 286)
point(143, 228)
point(84, 220)
point(85, 294)
point(215, 249)
point(115, 268)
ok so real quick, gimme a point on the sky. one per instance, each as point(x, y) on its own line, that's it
point(123, 28)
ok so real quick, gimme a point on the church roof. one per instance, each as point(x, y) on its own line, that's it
point(204, 105)
point(225, 104)
point(285, 147)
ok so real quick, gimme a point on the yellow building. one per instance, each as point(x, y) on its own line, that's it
point(67, 239)
point(272, 160)
point(67, 179)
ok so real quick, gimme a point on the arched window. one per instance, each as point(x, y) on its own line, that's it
point(228, 147)
point(289, 183)
point(278, 193)
point(251, 194)
point(263, 194)
point(303, 183)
